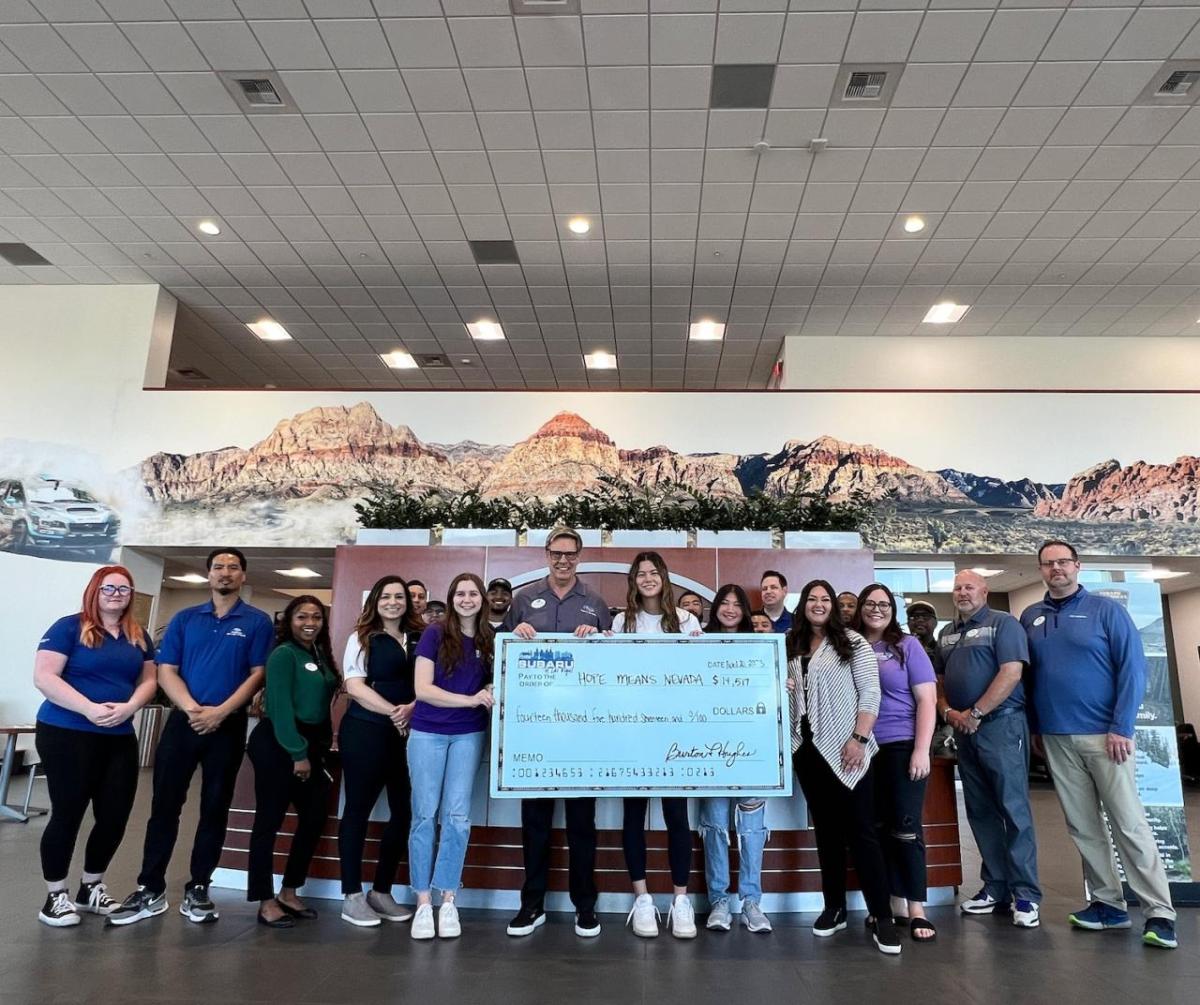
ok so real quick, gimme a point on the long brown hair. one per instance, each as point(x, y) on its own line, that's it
point(91, 626)
point(892, 635)
point(633, 599)
point(370, 623)
point(800, 635)
point(322, 644)
point(450, 652)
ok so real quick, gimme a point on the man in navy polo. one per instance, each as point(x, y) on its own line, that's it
point(982, 654)
point(210, 664)
point(1088, 679)
point(559, 603)
point(773, 587)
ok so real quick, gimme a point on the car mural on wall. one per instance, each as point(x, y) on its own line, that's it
point(49, 514)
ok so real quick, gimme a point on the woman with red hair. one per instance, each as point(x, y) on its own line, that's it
point(96, 668)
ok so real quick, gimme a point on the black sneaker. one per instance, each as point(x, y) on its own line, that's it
point(587, 924)
point(140, 904)
point(58, 911)
point(830, 922)
point(197, 906)
point(527, 919)
point(887, 938)
point(94, 898)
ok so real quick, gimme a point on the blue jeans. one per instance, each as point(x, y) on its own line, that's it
point(442, 768)
point(752, 837)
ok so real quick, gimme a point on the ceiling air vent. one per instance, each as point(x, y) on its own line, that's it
point(859, 86)
point(1177, 82)
point(525, 8)
point(432, 361)
point(188, 373)
point(20, 254)
point(258, 91)
point(495, 252)
point(865, 85)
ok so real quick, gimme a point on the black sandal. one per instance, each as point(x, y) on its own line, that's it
point(304, 914)
point(284, 921)
point(922, 925)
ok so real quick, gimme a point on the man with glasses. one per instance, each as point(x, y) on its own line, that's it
point(210, 663)
point(1088, 676)
point(983, 654)
point(560, 603)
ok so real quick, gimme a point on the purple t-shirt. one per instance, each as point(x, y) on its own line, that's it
point(467, 678)
point(897, 677)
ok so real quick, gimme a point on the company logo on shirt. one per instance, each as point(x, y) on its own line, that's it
point(235, 633)
point(586, 609)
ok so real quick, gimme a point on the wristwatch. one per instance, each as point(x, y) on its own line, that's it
point(975, 714)
point(859, 737)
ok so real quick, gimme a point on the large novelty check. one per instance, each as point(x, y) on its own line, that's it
point(641, 715)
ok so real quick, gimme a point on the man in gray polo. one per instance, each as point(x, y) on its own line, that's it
point(560, 603)
point(982, 654)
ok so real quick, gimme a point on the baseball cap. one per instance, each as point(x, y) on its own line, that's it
point(504, 584)
point(920, 607)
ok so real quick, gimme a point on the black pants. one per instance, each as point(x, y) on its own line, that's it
point(843, 818)
point(374, 759)
point(899, 802)
point(85, 769)
point(275, 788)
point(536, 818)
point(181, 751)
point(679, 838)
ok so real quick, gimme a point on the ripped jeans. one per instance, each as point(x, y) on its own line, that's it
point(898, 805)
point(749, 819)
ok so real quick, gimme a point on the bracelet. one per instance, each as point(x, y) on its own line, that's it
point(860, 738)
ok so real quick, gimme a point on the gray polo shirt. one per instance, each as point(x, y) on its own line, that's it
point(970, 654)
point(540, 606)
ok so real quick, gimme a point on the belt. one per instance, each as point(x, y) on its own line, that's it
point(1000, 713)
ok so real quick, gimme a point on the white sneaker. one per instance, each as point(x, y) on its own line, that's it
point(1026, 914)
point(422, 926)
point(644, 916)
point(681, 919)
point(447, 923)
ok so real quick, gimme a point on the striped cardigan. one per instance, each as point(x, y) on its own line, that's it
point(837, 691)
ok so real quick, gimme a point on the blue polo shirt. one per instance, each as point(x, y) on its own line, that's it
point(784, 624)
point(110, 672)
point(215, 655)
point(1088, 669)
point(971, 652)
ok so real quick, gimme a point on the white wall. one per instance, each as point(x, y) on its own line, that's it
point(1185, 630)
point(1023, 596)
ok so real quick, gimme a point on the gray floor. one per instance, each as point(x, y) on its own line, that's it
point(974, 960)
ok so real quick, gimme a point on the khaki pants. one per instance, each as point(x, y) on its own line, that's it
point(1086, 777)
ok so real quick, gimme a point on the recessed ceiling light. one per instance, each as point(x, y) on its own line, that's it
point(299, 573)
point(485, 331)
point(914, 225)
point(986, 573)
point(579, 225)
point(600, 360)
point(946, 313)
point(707, 331)
point(269, 331)
point(191, 577)
point(399, 360)
point(208, 227)
point(1164, 574)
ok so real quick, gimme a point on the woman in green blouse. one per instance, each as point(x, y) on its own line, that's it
point(288, 749)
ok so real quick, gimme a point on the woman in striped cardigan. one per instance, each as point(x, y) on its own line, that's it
point(833, 677)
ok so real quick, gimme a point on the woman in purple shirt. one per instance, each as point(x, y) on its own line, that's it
point(453, 684)
point(904, 729)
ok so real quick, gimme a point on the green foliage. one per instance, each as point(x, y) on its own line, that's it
point(613, 504)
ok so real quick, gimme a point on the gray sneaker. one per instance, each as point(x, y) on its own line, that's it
point(384, 905)
point(140, 904)
point(753, 917)
point(197, 905)
point(356, 911)
point(719, 916)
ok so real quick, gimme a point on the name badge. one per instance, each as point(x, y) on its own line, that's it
point(311, 666)
point(538, 604)
point(972, 633)
point(1039, 620)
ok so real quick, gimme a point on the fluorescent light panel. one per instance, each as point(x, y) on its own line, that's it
point(269, 331)
point(946, 313)
point(208, 227)
point(300, 572)
point(399, 360)
point(486, 331)
point(600, 360)
point(707, 331)
point(191, 577)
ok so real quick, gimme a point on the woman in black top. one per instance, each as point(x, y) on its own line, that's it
point(373, 742)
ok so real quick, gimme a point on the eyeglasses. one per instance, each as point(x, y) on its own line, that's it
point(877, 605)
point(116, 591)
point(562, 556)
point(1058, 563)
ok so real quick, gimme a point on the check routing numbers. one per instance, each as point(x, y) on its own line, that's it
point(629, 714)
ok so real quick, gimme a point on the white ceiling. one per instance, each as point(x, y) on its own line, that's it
point(1056, 206)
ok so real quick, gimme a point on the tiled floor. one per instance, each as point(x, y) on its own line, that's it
point(975, 960)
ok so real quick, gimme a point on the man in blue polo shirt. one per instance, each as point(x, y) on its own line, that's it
point(210, 664)
point(982, 654)
point(773, 588)
point(1088, 678)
